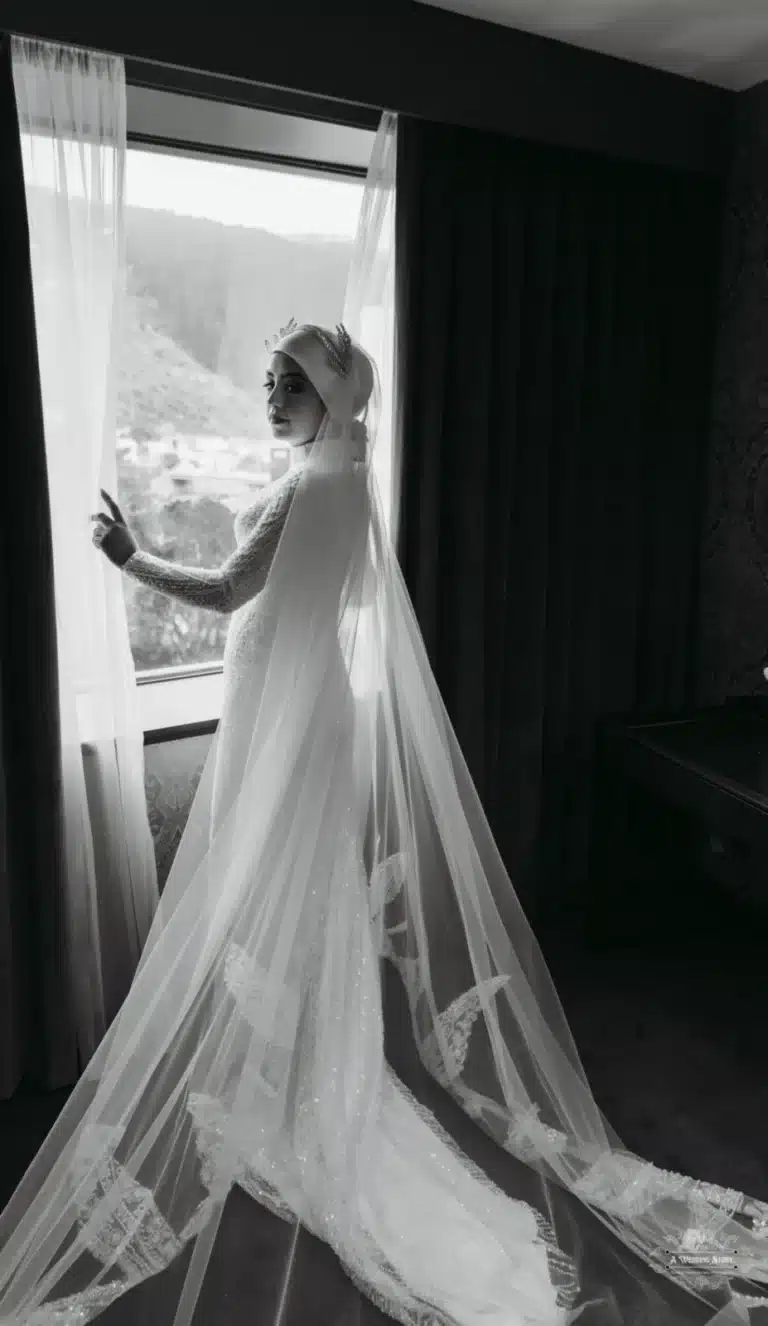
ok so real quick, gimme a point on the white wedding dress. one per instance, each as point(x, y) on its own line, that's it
point(302, 1110)
point(451, 1248)
point(250, 1048)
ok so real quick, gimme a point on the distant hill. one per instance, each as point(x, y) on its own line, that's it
point(221, 290)
point(159, 383)
point(202, 297)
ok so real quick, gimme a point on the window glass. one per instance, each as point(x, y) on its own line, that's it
point(219, 256)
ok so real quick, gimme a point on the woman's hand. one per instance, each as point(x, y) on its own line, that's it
point(112, 535)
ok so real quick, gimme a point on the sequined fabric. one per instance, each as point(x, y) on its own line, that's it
point(243, 575)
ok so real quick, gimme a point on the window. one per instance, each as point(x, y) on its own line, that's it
point(236, 221)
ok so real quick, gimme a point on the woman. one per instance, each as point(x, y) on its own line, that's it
point(495, 1256)
point(335, 823)
point(295, 410)
point(427, 1232)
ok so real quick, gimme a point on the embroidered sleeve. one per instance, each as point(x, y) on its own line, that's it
point(238, 579)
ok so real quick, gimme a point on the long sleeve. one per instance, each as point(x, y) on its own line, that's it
point(238, 579)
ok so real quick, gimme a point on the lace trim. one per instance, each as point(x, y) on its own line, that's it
point(214, 1125)
point(158, 1244)
point(456, 1023)
point(244, 979)
point(752, 1207)
point(528, 1137)
point(80, 1308)
point(419, 1314)
point(616, 1182)
point(240, 578)
point(228, 1147)
point(198, 586)
point(134, 1229)
point(75, 1310)
point(134, 1233)
point(232, 1150)
point(562, 1268)
point(410, 1309)
point(749, 1300)
point(628, 1186)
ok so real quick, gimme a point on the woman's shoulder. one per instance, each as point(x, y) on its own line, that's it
point(249, 516)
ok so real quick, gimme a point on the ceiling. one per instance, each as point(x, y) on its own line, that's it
point(723, 42)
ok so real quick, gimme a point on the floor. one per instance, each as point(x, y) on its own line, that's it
point(673, 1041)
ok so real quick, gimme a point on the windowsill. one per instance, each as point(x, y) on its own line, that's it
point(180, 706)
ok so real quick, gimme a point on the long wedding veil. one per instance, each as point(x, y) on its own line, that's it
point(250, 1047)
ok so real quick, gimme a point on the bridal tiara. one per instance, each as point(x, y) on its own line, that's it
point(338, 353)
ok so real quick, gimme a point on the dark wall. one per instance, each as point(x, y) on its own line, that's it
point(734, 581)
point(416, 59)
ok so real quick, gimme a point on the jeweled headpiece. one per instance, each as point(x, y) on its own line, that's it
point(338, 352)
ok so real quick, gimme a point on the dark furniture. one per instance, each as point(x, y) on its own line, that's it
point(681, 829)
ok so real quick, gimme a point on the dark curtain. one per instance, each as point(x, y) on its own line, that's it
point(37, 1030)
point(555, 348)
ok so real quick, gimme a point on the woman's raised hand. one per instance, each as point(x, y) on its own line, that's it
point(111, 533)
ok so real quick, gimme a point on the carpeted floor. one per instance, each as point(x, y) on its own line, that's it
point(673, 1042)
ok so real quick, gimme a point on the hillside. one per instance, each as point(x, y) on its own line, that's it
point(202, 297)
point(160, 383)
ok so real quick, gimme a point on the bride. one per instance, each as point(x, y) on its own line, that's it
point(336, 828)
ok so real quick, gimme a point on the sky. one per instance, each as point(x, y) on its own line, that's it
point(245, 195)
point(236, 194)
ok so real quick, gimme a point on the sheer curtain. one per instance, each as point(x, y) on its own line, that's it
point(71, 111)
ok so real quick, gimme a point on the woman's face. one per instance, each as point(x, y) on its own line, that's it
point(294, 407)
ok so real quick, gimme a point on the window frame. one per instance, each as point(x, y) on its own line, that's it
point(213, 123)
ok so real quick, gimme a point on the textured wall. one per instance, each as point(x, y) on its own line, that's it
point(734, 568)
point(172, 772)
